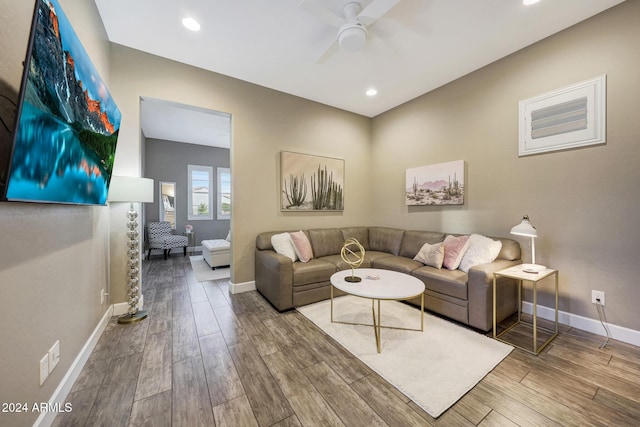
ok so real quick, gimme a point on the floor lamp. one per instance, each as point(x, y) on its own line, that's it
point(132, 189)
point(525, 228)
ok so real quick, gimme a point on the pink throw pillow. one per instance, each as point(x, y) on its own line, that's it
point(454, 250)
point(302, 246)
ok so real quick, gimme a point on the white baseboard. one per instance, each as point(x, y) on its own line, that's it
point(123, 307)
point(59, 396)
point(236, 288)
point(120, 309)
point(594, 326)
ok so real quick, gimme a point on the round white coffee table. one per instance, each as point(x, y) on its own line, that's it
point(377, 285)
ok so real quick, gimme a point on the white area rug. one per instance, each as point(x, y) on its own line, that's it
point(204, 272)
point(434, 368)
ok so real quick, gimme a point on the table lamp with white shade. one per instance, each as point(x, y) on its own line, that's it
point(525, 228)
point(132, 189)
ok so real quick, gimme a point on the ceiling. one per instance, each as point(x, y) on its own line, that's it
point(170, 121)
point(417, 46)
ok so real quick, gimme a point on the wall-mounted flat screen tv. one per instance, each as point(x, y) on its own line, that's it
point(66, 125)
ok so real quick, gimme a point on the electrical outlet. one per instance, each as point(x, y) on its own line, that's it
point(44, 368)
point(102, 294)
point(54, 356)
point(597, 297)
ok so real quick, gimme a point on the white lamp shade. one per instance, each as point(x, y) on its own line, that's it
point(131, 189)
point(525, 228)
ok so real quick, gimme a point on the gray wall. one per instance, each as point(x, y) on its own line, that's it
point(54, 259)
point(584, 202)
point(168, 161)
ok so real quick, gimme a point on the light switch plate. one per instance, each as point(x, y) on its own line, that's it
point(54, 356)
point(44, 368)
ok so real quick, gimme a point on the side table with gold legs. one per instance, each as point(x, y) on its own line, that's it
point(517, 273)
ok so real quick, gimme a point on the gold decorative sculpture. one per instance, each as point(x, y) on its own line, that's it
point(354, 257)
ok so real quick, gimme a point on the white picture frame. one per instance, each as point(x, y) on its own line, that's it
point(566, 118)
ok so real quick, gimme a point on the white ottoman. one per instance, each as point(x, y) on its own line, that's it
point(216, 252)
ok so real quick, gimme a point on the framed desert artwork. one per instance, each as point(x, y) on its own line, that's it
point(311, 183)
point(436, 185)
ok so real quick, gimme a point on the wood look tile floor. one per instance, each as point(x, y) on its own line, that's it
point(205, 357)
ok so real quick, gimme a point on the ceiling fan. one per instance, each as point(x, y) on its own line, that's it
point(352, 26)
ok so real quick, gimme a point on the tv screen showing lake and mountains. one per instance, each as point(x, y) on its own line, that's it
point(66, 135)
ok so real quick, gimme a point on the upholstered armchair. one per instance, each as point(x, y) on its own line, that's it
point(161, 237)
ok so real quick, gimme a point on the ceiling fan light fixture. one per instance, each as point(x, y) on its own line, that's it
point(352, 37)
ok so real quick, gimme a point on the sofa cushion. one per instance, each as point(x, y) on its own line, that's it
point(446, 282)
point(396, 263)
point(314, 271)
point(327, 241)
point(385, 239)
point(510, 249)
point(263, 240)
point(341, 265)
point(412, 241)
point(361, 234)
point(371, 256)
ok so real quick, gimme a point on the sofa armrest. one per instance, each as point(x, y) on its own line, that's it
point(274, 278)
point(480, 293)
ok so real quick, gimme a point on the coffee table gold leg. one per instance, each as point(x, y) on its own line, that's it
point(331, 303)
point(379, 326)
point(376, 322)
point(422, 312)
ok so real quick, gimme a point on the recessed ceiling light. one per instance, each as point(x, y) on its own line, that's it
point(371, 92)
point(529, 2)
point(191, 24)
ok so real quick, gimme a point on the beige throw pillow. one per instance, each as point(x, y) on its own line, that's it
point(432, 255)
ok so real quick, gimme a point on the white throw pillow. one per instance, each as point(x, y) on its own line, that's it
point(481, 250)
point(432, 255)
point(228, 238)
point(283, 245)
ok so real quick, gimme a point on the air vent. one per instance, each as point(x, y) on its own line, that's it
point(561, 118)
point(566, 118)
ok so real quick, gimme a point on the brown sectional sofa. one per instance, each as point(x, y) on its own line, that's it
point(466, 298)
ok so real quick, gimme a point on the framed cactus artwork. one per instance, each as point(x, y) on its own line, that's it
point(436, 185)
point(311, 183)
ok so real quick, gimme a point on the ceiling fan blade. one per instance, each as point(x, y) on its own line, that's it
point(375, 11)
point(319, 11)
point(329, 52)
